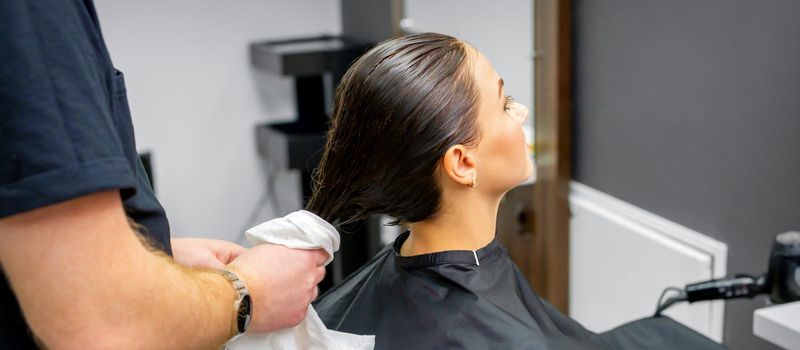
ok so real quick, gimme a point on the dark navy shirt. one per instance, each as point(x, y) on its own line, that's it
point(65, 127)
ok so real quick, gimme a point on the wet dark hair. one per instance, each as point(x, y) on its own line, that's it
point(398, 109)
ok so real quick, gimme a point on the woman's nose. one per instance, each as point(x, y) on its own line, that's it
point(519, 112)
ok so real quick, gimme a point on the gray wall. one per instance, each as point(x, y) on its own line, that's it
point(691, 110)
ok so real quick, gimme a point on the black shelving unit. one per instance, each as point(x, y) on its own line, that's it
point(312, 62)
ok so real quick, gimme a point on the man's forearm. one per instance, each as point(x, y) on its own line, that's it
point(181, 307)
point(84, 280)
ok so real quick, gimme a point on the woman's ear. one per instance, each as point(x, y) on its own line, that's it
point(459, 165)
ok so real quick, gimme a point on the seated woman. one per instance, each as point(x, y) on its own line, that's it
point(423, 131)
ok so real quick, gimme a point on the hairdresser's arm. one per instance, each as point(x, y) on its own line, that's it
point(84, 280)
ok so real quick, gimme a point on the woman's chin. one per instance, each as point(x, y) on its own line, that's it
point(530, 172)
point(528, 177)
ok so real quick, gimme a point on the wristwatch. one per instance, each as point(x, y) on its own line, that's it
point(242, 305)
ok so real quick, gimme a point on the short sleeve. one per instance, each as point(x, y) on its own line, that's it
point(57, 130)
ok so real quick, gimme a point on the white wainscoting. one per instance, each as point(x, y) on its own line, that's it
point(622, 257)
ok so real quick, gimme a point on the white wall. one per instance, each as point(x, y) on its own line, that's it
point(195, 99)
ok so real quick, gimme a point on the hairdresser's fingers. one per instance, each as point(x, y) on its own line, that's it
point(228, 251)
point(320, 273)
point(320, 256)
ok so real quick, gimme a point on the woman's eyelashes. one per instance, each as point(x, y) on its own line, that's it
point(509, 101)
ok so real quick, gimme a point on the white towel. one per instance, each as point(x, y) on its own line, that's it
point(301, 230)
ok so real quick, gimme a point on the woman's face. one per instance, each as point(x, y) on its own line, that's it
point(502, 153)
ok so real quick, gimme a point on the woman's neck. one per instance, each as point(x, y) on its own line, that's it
point(464, 224)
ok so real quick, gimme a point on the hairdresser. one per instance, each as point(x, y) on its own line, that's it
point(85, 249)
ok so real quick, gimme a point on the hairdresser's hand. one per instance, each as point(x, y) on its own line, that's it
point(204, 253)
point(281, 281)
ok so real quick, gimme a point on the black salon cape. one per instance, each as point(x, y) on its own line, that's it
point(472, 300)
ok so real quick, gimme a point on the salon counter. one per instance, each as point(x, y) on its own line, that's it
point(779, 324)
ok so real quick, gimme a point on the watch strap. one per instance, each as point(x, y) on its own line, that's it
point(242, 305)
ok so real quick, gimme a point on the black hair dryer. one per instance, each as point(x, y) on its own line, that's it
point(781, 282)
point(783, 276)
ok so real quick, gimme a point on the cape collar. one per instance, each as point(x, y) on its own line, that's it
point(470, 257)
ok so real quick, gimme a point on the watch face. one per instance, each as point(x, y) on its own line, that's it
point(243, 319)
